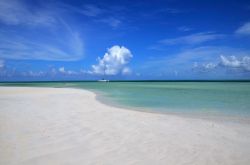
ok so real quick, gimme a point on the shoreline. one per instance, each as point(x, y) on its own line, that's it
point(99, 96)
point(212, 114)
point(193, 115)
point(66, 125)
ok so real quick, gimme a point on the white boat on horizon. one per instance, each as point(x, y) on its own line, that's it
point(103, 80)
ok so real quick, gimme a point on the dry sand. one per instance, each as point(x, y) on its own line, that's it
point(51, 126)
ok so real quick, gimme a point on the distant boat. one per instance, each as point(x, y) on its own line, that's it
point(103, 80)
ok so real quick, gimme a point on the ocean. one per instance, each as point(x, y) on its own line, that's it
point(196, 98)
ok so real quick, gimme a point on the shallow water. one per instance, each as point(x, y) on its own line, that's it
point(210, 98)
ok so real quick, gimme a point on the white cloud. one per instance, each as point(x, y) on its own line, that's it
point(204, 66)
point(98, 14)
point(61, 69)
point(53, 72)
point(113, 62)
point(172, 10)
point(196, 38)
point(176, 73)
point(126, 71)
point(138, 74)
point(16, 12)
point(155, 13)
point(184, 28)
point(209, 65)
point(70, 72)
point(29, 73)
point(200, 57)
point(20, 48)
point(111, 21)
point(51, 45)
point(231, 61)
point(195, 65)
point(91, 10)
point(244, 29)
point(234, 62)
point(67, 72)
point(35, 74)
point(1, 63)
point(228, 62)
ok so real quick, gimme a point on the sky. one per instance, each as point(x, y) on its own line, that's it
point(124, 40)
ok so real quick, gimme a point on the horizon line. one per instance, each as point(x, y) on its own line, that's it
point(145, 80)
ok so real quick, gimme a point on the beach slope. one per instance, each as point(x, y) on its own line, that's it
point(57, 126)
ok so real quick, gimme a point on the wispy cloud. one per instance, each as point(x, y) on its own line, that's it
point(52, 45)
point(172, 10)
point(105, 15)
point(192, 39)
point(16, 12)
point(1, 63)
point(159, 12)
point(244, 29)
point(184, 28)
point(91, 10)
point(111, 21)
point(18, 47)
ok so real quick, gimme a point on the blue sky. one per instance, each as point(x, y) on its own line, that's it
point(88, 40)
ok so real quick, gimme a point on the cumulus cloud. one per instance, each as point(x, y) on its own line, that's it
point(52, 72)
point(209, 65)
point(244, 29)
point(234, 62)
point(228, 62)
point(126, 71)
point(35, 74)
point(67, 72)
point(231, 61)
point(204, 66)
point(61, 69)
point(114, 61)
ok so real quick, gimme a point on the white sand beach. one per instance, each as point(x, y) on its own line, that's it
point(59, 126)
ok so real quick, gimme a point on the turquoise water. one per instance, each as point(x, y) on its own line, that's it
point(210, 98)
